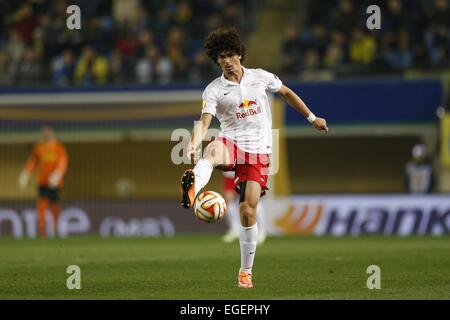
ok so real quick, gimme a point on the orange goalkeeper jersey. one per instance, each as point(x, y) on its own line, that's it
point(48, 157)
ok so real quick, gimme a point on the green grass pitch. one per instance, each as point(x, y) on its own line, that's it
point(201, 267)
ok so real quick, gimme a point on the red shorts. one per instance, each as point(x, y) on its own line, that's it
point(247, 166)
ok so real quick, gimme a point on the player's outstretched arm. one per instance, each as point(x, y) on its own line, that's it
point(199, 133)
point(294, 101)
point(27, 170)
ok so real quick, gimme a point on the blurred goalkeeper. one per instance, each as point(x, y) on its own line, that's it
point(50, 157)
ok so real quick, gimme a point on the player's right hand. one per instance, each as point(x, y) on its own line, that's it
point(23, 179)
point(54, 179)
point(320, 124)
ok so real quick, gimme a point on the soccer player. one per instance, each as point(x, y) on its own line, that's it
point(50, 156)
point(418, 175)
point(233, 218)
point(238, 98)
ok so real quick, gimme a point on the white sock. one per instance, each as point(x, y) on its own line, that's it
point(232, 217)
point(202, 170)
point(247, 240)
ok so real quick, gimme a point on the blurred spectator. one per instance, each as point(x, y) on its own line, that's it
point(30, 70)
point(419, 174)
point(233, 17)
point(440, 14)
point(202, 70)
point(335, 55)
point(394, 18)
point(15, 48)
point(91, 69)
point(316, 10)
point(124, 10)
point(312, 60)
point(117, 72)
point(5, 69)
point(400, 55)
point(162, 66)
point(345, 17)
point(63, 69)
point(176, 51)
point(317, 39)
point(362, 47)
point(162, 24)
point(291, 49)
point(45, 36)
point(125, 43)
point(437, 37)
point(183, 15)
point(145, 39)
point(144, 67)
point(24, 21)
point(38, 42)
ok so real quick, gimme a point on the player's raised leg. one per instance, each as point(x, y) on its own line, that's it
point(193, 180)
point(250, 194)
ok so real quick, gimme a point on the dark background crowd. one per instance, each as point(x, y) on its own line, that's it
point(119, 42)
point(160, 42)
point(414, 34)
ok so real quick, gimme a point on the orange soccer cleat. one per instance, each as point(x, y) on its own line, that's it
point(188, 189)
point(245, 280)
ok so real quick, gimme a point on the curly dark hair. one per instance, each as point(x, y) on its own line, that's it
point(224, 39)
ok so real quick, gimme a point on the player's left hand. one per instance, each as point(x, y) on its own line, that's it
point(54, 179)
point(23, 180)
point(320, 124)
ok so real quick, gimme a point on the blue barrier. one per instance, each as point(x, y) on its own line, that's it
point(341, 102)
point(370, 102)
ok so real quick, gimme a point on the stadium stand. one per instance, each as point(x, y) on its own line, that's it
point(149, 42)
point(414, 34)
point(119, 42)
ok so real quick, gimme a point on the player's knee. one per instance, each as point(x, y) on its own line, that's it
point(248, 210)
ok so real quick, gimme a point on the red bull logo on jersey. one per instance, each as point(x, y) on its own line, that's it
point(250, 105)
point(247, 104)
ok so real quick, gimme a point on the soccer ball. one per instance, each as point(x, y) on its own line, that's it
point(210, 206)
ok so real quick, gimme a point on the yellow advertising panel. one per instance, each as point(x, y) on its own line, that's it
point(445, 140)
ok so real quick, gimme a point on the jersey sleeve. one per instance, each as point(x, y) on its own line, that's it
point(209, 103)
point(273, 83)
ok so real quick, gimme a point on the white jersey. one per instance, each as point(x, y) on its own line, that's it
point(243, 108)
